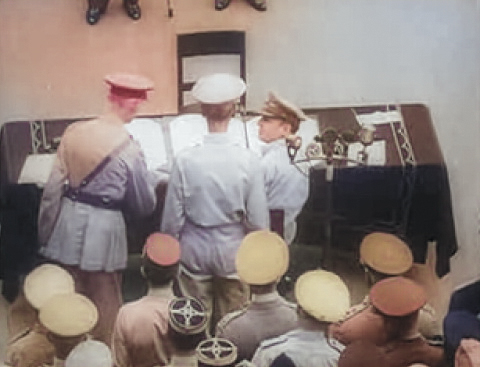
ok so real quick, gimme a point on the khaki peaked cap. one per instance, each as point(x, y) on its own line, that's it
point(262, 258)
point(385, 253)
point(46, 281)
point(322, 295)
point(68, 315)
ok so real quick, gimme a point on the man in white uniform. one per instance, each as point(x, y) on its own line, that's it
point(215, 196)
point(322, 298)
point(285, 184)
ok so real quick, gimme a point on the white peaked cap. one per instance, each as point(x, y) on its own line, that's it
point(218, 88)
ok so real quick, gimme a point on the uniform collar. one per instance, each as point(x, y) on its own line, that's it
point(279, 143)
point(217, 138)
point(184, 361)
point(160, 292)
point(263, 298)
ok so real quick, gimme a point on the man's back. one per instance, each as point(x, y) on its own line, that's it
point(140, 334)
point(266, 317)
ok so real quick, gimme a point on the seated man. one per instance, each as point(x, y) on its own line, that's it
point(382, 255)
point(398, 301)
point(260, 5)
point(29, 346)
point(140, 332)
point(69, 318)
point(322, 298)
point(261, 261)
point(461, 321)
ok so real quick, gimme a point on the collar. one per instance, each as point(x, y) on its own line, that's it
point(217, 138)
point(160, 292)
point(263, 298)
point(184, 360)
point(276, 144)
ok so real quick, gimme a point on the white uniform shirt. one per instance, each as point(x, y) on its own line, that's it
point(215, 196)
point(286, 186)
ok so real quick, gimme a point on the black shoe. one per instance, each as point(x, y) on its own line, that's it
point(260, 5)
point(133, 10)
point(221, 4)
point(93, 15)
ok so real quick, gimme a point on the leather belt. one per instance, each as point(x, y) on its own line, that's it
point(93, 200)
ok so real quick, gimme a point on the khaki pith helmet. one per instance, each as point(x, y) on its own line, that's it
point(323, 295)
point(385, 253)
point(262, 258)
point(46, 281)
point(68, 315)
point(397, 296)
point(218, 88)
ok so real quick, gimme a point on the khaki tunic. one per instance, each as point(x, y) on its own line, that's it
point(267, 316)
point(30, 348)
point(140, 332)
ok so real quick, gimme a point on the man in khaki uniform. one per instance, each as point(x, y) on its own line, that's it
point(382, 255)
point(99, 175)
point(30, 346)
point(262, 259)
point(322, 298)
point(68, 318)
point(398, 300)
point(140, 334)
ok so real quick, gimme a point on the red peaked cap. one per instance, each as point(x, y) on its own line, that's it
point(162, 249)
point(397, 296)
point(129, 85)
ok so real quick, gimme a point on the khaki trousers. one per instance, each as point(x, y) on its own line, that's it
point(104, 290)
point(219, 295)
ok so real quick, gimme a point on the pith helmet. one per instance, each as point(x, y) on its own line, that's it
point(68, 315)
point(262, 258)
point(397, 296)
point(46, 281)
point(385, 253)
point(323, 295)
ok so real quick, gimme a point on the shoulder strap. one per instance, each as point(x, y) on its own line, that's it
point(105, 161)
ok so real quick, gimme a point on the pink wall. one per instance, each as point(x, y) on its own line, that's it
point(52, 62)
